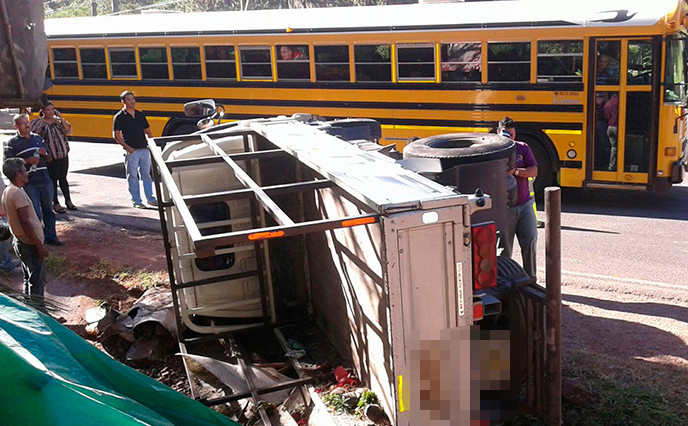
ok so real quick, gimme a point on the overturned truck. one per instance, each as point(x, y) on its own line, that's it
point(293, 218)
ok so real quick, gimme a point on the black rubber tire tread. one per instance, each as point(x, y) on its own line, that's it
point(510, 273)
point(184, 129)
point(461, 148)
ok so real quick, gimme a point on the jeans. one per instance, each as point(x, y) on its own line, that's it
point(139, 164)
point(42, 197)
point(6, 261)
point(523, 224)
point(33, 268)
point(612, 134)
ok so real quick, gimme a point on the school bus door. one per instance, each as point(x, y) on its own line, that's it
point(622, 73)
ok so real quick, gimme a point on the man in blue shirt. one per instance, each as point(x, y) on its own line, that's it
point(30, 147)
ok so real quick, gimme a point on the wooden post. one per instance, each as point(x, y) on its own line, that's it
point(553, 315)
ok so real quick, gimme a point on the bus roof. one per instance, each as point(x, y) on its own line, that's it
point(473, 15)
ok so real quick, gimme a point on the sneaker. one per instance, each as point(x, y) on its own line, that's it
point(153, 203)
point(139, 206)
point(55, 242)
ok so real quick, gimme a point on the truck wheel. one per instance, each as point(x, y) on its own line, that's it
point(184, 129)
point(461, 148)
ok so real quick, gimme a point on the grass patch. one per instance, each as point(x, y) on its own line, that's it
point(609, 392)
point(623, 399)
point(140, 279)
point(56, 265)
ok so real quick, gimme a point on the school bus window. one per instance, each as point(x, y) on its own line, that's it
point(220, 62)
point(639, 62)
point(508, 62)
point(607, 63)
point(93, 63)
point(123, 62)
point(373, 62)
point(415, 62)
point(675, 70)
point(332, 63)
point(186, 63)
point(292, 62)
point(64, 62)
point(255, 62)
point(461, 61)
point(154, 63)
point(559, 61)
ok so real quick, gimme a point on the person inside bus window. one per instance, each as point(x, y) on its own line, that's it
point(288, 53)
point(463, 62)
point(601, 138)
point(601, 76)
point(611, 114)
point(522, 221)
point(222, 53)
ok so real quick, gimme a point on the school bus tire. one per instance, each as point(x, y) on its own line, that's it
point(461, 148)
point(546, 169)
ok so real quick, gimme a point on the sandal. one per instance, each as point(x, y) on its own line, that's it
point(71, 206)
point(59, 209)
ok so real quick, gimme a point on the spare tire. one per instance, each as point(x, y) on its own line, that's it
point(461, 148)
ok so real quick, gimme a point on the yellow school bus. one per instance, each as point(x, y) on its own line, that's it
point(597, 88)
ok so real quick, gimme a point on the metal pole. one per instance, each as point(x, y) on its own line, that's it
point(94, 8)
point(553, 315)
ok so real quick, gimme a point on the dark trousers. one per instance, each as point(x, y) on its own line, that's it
point(58, 169)
point(33, 269)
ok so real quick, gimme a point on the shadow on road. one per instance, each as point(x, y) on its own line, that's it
point(678, 313)
point(112, 170)
point(598, 231)
point(617, 337)
point(670, 205)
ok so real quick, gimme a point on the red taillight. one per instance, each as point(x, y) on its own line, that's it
point(478, 311)
point(484, 256)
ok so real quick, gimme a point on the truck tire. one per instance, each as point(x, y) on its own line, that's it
point(184, 129)
point(461, 148)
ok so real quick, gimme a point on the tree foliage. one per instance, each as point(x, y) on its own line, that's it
point(68, 8)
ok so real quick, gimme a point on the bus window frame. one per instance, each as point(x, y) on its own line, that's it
point(349, 63)
point(271, 63)
point(278, 60)
point(483, 58)
point(168, 62)
point(205, 61)
point(486, 55)
point(200, 62)
point(392, 55)
point(136, 63)
point(396, 63)
point(105, 63)
point(562, 40)
point(76, 61)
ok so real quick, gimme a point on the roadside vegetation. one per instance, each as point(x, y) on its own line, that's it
point(68, 8)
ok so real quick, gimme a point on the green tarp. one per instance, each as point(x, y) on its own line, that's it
point(51, 376)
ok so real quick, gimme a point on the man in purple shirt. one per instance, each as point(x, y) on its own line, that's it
point(523, 223)
point(611, 113)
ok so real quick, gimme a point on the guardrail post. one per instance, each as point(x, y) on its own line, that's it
point(553, 315)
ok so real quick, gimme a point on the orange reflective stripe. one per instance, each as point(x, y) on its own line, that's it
point(265, 235)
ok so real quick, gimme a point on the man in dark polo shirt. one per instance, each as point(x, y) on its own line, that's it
point(30, 147)
point(130, 129)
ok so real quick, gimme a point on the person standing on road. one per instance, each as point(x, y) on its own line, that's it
point(35, 153)
point(130, 128)
point(54, 130)
point(523, 223)
point(26, 228)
